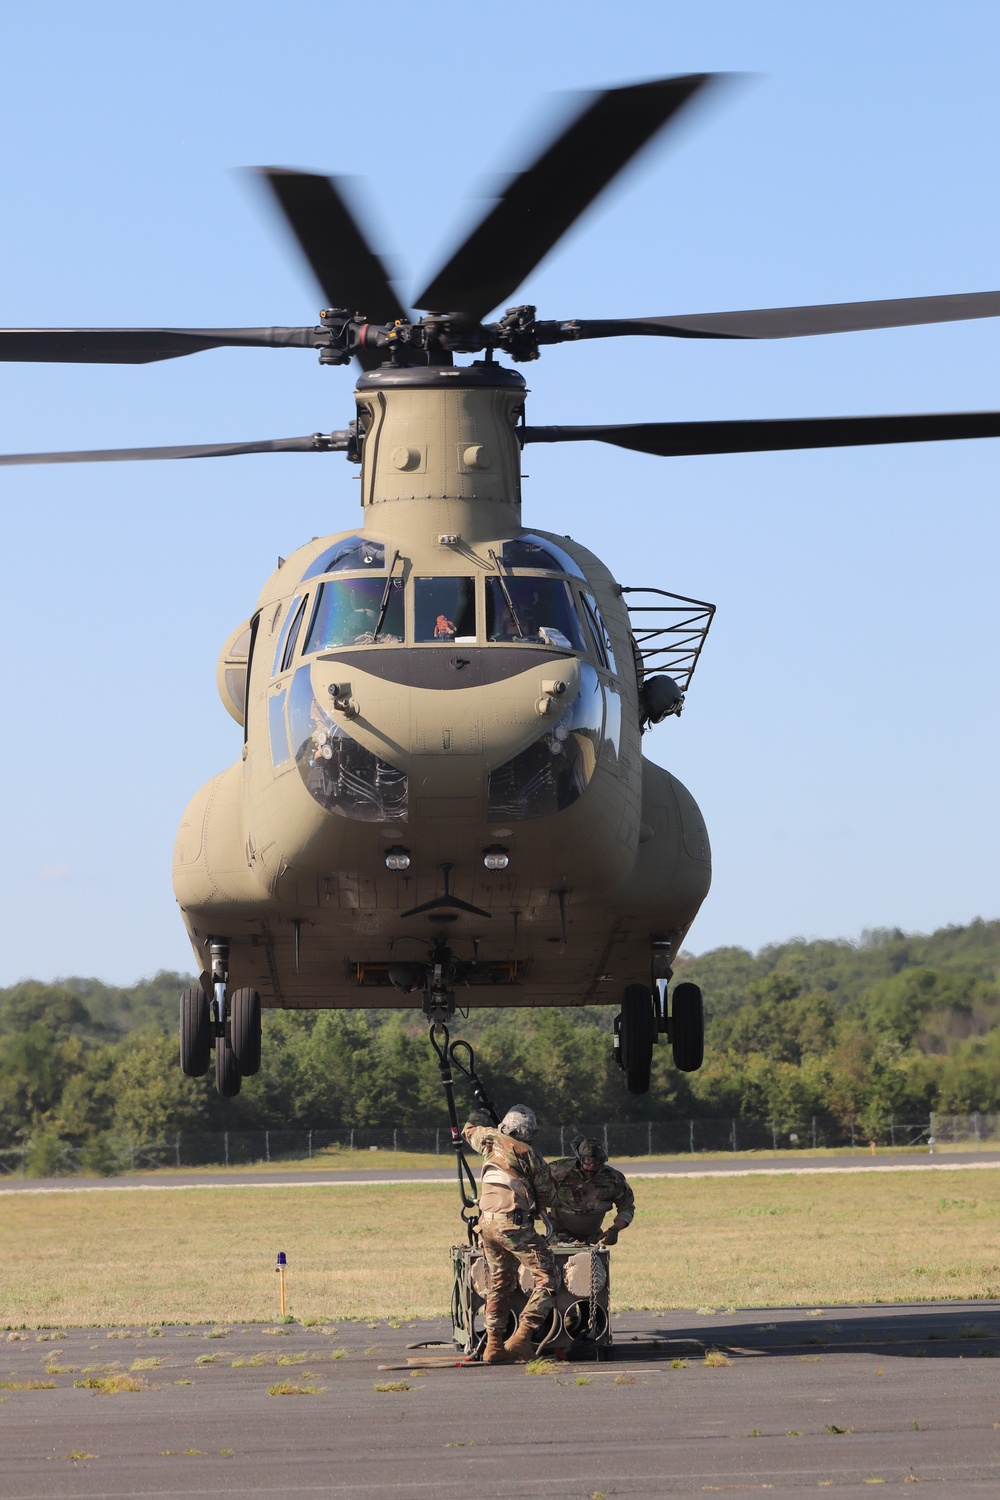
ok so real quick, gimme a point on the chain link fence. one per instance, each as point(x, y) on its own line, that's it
point(652, 1138)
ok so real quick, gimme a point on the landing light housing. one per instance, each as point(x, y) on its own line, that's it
point(496, 857)
point(397, 858)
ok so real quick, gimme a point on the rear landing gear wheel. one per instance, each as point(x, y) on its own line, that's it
point(687, 1027)
point(196, 1034)
point(244, 1030)
point(227, 1071)
point(636, 1037)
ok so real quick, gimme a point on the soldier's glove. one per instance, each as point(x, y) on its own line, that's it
point(479, 1117)
point(610, 1236)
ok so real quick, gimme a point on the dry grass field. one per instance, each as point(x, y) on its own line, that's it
point(133, 1257)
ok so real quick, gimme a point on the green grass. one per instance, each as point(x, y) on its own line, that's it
point(381, 1252)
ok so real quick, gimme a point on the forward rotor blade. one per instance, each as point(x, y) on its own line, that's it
point(317, 442)
point(540, 205)
point(683, 439)
point(798, 322)
point(141, 346)
point(348, 270)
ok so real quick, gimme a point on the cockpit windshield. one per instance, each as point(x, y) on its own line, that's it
point(539, 611)
point(352, 553)
point(357, 612)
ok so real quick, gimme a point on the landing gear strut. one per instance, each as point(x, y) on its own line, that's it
point(229, 1024)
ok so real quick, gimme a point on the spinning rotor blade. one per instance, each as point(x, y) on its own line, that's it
point(684, 439)
point(799, 322)
point(539, 206)
point(346, 267)
point(317, 442)
point(141, 346)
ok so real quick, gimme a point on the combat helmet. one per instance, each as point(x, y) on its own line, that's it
point(519, 1122)
point(589, 1148)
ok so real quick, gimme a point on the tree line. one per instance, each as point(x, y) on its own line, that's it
point(892, 1025)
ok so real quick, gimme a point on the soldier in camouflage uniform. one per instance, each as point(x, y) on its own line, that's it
point(516, 1186)
point(586, 1189)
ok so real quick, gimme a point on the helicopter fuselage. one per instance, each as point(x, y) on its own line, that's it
point(442, 744)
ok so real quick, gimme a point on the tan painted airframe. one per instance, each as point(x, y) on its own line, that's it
point(302, 893)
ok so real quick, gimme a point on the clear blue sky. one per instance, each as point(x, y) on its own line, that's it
point(841, 731)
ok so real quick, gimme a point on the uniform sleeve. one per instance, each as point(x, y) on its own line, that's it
point(475, 1135)
point(624, 1201)
point(541, 1181)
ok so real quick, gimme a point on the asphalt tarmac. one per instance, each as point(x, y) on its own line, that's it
point(796, 1402)
point(738, 1165)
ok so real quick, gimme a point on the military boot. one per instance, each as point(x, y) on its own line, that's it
point(495, 1353)
point(520, 1347)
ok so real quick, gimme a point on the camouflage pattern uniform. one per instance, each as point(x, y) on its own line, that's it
point(582, 1201)
point(515, 1185)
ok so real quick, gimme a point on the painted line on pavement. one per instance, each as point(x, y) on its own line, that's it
point(225, 1187)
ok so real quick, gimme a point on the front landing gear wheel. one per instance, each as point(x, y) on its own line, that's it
point(637, 1037)
point(687, 1027)
point(227, 1071)
point(244, 1030)
point(196, 1034)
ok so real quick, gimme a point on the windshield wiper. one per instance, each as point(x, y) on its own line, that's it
point(385, 598)
point(506, 594)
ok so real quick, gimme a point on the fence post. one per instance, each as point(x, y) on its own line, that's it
point(649, 1137)
point(691, 1135)
point(606, 1151)
point(394, 1138)
point(734, 1132)
point(177, 1151)
point(930, 1133)
point(352, 1137)
point(437, 1141)
point(814, 1133)
point(310, 1145)
point(979, 1139)
point(852, 1132)
point(774, 1136)
point(225, 1138)
point(892, 1130)
point(562, 1140)
point(131, 1156)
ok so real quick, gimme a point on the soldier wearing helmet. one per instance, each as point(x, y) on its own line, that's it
point(516, 1188)
point(586, 1190)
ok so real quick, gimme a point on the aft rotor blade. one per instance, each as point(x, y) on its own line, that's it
point(796, 322)
point(540, 205)
point(346, 267)
point(141, 346)
point(683, 439)
point(317, 442)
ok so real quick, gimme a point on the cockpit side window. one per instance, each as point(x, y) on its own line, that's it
point(356, 612)
point(539, 611)
point(598, 629)
point(293, 635)
point(279, 650)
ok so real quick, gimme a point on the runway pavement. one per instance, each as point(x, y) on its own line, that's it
point(802, 1402)
point(695, 1166)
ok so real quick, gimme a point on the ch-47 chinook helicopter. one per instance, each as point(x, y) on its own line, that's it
point(441, 788)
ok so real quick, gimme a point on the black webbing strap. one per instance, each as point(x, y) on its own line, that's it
point(467, 1186)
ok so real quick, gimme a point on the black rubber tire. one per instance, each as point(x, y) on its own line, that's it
point(196, 1035)
point(687, 1027)
point(638, 1037)
point(227, 1072)
point(244, 1031)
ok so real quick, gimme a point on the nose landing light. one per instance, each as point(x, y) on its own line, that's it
point(496, 857)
